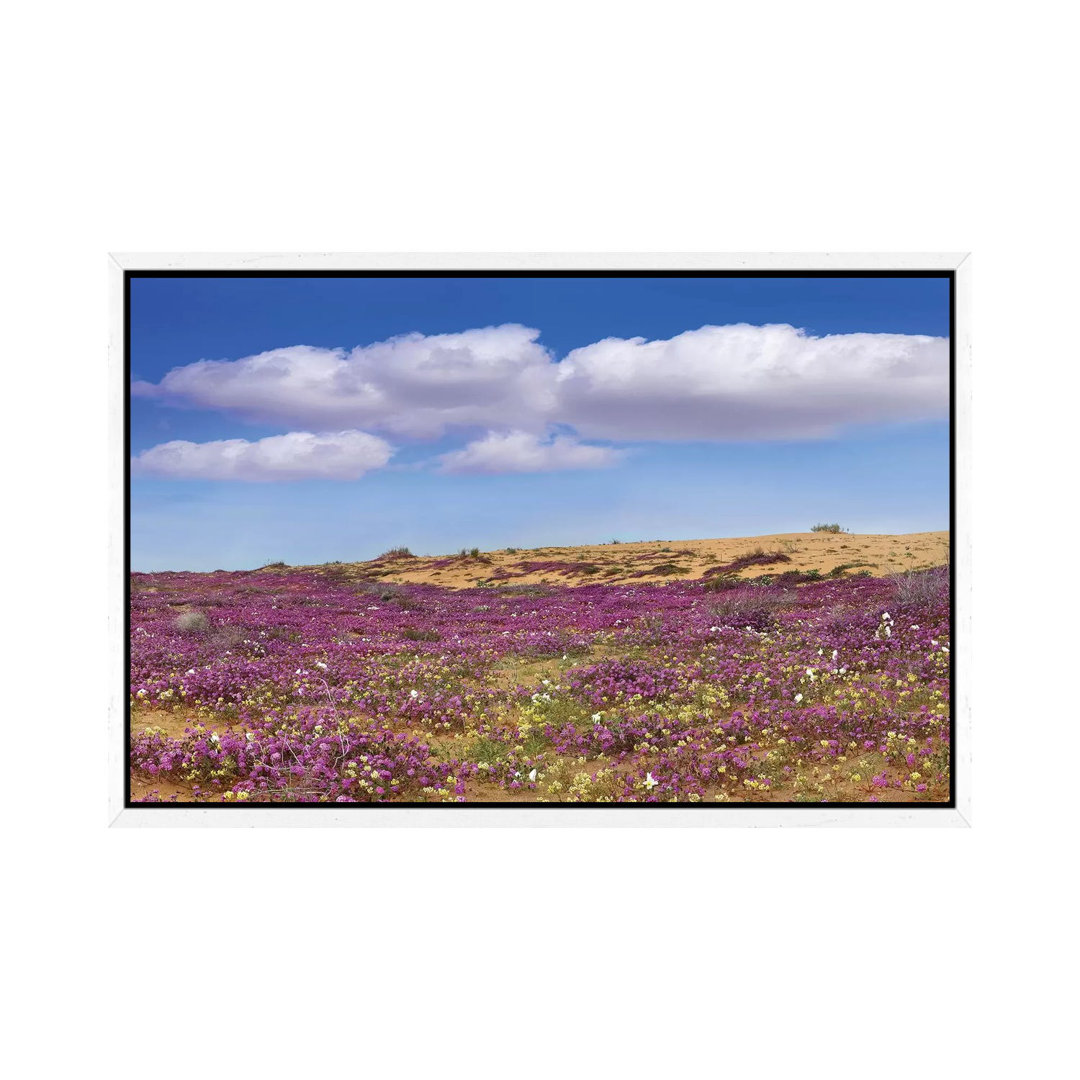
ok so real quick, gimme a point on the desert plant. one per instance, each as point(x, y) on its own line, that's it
point(651, 628)
point(225, 638)
point(389, 593)
point(485, 748)
point(919, 587)
point(836, 571)
point(821, 527)
point(798, 577)
point(757, 557)
point(192, 622)
point(721, 582)
point(397, 553)
point(756, 608)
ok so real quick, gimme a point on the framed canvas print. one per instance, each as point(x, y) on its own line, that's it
point(539, 540)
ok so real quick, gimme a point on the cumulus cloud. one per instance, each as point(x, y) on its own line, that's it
point(299, 455)
point(716, 383)
point(750, 382)
point(524, 452)
point(416, 385)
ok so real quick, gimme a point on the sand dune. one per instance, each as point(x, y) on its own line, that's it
point(829, 554)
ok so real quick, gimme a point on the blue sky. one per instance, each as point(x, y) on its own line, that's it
point(527, 411)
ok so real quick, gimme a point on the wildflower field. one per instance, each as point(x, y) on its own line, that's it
point(322, 685)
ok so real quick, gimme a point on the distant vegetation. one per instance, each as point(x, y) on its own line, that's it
point(397, 553)
point(757, 557)
point(837, 571)
point(472, 553)
point(667, 569)
point(821, 527)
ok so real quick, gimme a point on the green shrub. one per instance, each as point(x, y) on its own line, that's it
point(836, 571)
point(722, 582)
point(821, 527)
point(798, 577)
point(667, 569)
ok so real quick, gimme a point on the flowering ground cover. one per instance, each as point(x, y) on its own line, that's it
point(314, 686)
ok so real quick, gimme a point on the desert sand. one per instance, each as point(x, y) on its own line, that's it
point(835, 554)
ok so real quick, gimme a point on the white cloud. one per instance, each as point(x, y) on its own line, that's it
point(523, 452)
point(299, 455)
point(716, 383)
point(412, 385)
point(750, 382)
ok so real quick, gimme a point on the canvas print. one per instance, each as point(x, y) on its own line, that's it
point(530, 539)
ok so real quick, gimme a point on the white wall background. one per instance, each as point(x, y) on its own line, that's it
point(564, 126)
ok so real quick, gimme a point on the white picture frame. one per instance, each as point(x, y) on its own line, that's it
point(549, 815)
